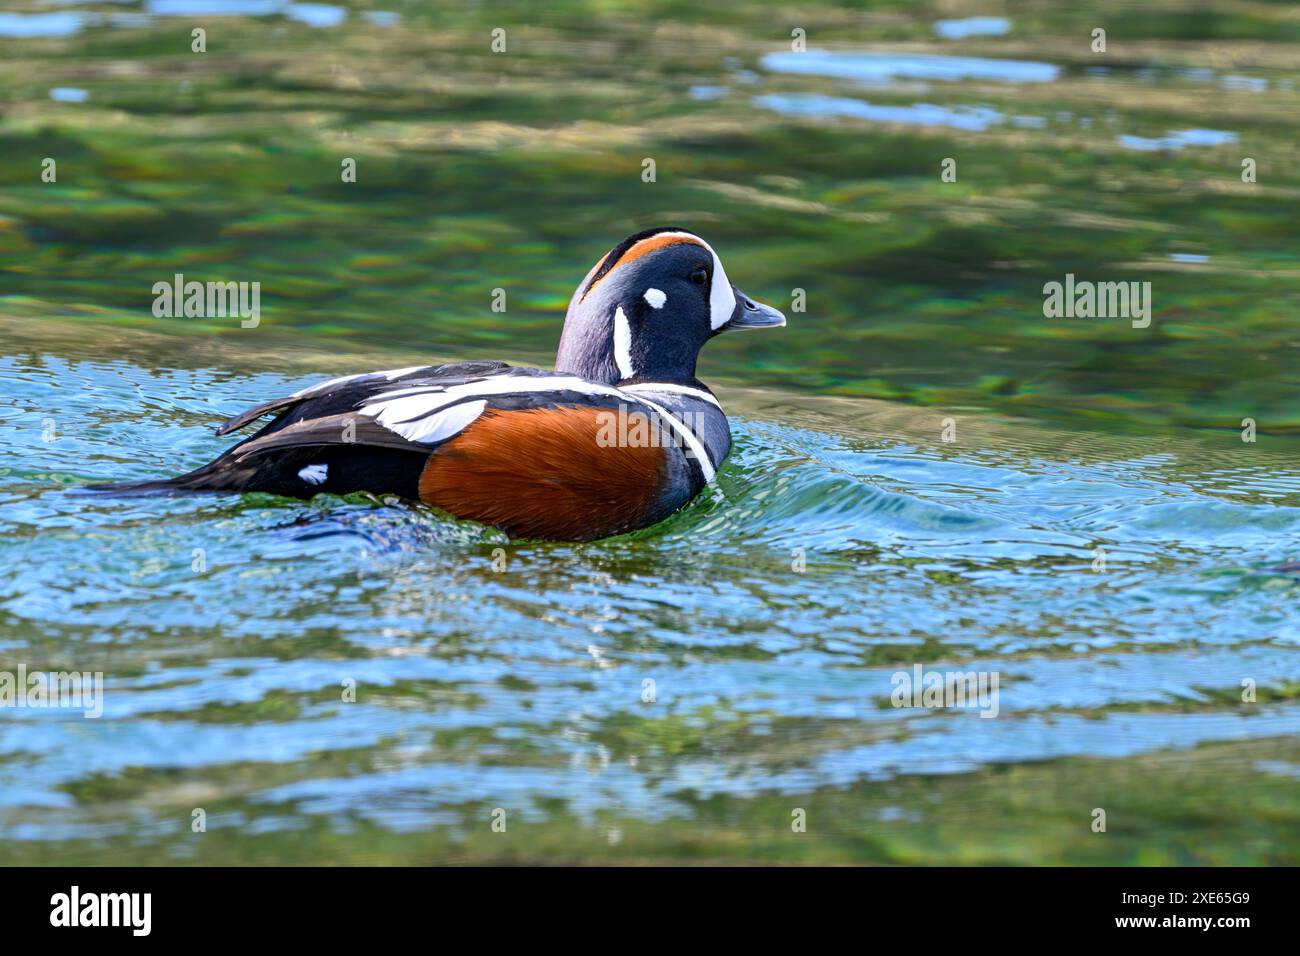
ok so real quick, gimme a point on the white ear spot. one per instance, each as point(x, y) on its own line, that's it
point(315, 474)
point(623, 343)
point(655, 298)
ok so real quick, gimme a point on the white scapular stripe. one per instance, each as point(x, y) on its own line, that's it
point(325, 386)
point(623, 344)
point(428, 428)
point(499, 385)
point(722, 301)
point(425, 403)
point(666, 388)
point(399, 372)
point(656, 298)
point(315, 474)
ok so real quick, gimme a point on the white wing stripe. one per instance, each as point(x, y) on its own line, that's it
point(502, 385)
point(322, 387)
point(430, 414)
point(325, 386)
point(415, 421)
point(399, 372)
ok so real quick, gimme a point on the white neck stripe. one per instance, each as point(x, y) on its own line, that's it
point(623, 344)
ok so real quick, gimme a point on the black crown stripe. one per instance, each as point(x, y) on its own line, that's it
point(620, 250)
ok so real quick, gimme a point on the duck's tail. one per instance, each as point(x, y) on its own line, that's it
point(163, 486)
point(214, 476)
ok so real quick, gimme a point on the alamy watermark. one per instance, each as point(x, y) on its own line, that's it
point(940, 689)
point(75, 908)
point(636, 429)
point(71, 690)
point(208, 300)
point(1101, 300)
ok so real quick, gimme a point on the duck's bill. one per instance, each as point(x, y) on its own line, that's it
point(753, 315)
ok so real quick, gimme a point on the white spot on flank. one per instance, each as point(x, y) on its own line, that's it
point(623, 343)
point(656, 298)
point(314, 474)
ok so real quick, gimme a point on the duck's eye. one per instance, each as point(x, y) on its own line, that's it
point(700, 276)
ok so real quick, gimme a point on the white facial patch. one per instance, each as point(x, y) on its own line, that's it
point(656, 298)
point(623, 342)
point(722, 300)
point(315, 474)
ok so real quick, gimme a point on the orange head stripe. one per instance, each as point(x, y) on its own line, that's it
point(543, 473)
point(644, 247)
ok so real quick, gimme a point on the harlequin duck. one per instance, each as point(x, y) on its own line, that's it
point(618, 437)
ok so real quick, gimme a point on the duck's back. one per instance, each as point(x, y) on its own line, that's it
point(535, 453)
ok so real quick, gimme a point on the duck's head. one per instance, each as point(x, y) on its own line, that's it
point(646, 309)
